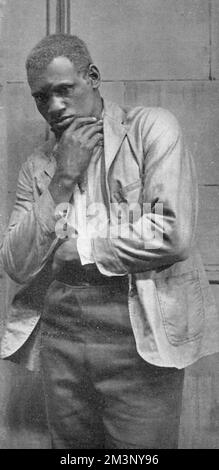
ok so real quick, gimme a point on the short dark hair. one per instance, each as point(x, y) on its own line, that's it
point(56, 45)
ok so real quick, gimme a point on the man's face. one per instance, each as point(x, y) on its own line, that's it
point(61, 94)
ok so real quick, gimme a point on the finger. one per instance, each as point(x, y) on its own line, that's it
point(89, 131)
point(97, 139)
point(97, 146)
point(80, 122)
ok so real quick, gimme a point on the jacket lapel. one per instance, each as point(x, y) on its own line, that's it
point(45, 167)
point(114, 131)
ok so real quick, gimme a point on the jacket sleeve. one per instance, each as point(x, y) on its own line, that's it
point(163, 234)
point(30, 237)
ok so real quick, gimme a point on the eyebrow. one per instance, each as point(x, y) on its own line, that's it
point(41, 91)
point(45, 89)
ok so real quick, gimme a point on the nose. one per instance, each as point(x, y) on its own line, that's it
point(56, 106)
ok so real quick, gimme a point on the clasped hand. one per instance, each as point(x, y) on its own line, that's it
point(73, 154)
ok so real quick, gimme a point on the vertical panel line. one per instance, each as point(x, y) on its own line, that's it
point(68, 16)
point(58, 16)
point(62, 16)
point(210, 39)
point(47, 33)
point(47, 17)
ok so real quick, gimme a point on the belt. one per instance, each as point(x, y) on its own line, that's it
point(88, 274)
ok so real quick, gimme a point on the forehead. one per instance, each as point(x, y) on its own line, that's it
point(60, 70)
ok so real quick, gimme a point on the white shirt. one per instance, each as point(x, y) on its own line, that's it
point(77, 216)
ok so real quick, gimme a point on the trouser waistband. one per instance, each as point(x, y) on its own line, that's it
point(88, 274)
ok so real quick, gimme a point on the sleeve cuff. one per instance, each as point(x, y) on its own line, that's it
point(106, 258)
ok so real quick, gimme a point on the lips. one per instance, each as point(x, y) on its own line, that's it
point(63, 122)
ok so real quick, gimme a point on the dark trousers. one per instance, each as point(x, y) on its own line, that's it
point(99, 392)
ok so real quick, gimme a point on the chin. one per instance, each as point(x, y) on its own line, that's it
point(58, 132)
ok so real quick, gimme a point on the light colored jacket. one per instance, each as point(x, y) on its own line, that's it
point(172, 311)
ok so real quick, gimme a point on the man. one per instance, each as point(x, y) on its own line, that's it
point(104, 225)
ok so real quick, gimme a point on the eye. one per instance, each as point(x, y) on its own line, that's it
point(41, 98)
point(65, 90)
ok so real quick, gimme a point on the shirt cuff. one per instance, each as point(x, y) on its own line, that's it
point(84, 248)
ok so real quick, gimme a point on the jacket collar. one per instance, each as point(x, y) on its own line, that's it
point(114, 130)
point(45, 164)
point(50, 164)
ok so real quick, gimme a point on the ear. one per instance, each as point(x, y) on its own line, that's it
point(94, 75)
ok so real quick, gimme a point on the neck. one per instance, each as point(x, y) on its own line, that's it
point(99, 106)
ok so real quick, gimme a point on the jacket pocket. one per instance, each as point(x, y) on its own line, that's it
point(182, 307)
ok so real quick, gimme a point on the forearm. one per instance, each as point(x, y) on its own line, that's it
point(61, 188)
point(148, 244)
